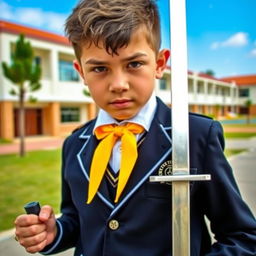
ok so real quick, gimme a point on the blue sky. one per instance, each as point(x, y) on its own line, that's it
point(221, 33)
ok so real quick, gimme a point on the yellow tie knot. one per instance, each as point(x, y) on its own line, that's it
point(109, 134)
point(105, 130)
point(119, 131)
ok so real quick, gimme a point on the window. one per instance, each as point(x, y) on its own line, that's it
point(67, 72)
point(244, 92)
point(37, 60)
point(210, 89)
point(163, 84)
point(70, 114)
point(200, 88)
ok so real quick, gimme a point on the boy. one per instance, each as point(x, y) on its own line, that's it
point(109, 207)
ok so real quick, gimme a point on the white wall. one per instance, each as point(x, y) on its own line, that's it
point(52, 89)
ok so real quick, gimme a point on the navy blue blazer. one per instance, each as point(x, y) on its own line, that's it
point(142, 217)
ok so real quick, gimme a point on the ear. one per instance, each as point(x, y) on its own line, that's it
point(79, 69)
point(161, 62)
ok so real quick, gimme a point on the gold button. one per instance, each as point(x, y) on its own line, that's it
point(113, 224)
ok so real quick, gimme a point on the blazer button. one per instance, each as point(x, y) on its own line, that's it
point(113, 224)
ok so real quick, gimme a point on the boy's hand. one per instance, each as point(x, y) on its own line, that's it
point(35, 232)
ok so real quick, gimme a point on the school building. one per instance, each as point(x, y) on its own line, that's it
point(247, 92)
point(61, 105)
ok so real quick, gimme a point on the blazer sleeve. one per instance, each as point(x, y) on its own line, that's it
point(68, 223)
point(232, 223)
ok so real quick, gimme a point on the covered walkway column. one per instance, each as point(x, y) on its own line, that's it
point(6, 120)
point(51, 119)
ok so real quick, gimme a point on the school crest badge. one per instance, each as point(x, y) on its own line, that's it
point(165, 169)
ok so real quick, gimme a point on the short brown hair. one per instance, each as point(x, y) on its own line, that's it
point(112, 22)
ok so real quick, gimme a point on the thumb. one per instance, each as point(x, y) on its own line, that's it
point(47, 216)
point(46, 213)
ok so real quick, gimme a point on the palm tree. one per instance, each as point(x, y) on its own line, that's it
point(25, 74)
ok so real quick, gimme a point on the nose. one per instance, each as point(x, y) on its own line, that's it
point(118, 82)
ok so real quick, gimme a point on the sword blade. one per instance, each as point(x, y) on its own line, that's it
point(180, 130)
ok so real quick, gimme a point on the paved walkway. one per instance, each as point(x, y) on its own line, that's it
point(36, 143)
point(249, 143)
point(39, 143)
point(243, 165)
point(9, 247)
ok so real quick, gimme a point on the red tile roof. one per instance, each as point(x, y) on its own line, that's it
point(32, 32)
point(242, 80)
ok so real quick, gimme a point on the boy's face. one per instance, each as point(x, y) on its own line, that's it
point(122, 84)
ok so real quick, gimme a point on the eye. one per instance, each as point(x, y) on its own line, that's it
point(135, 64)
point(99, 69)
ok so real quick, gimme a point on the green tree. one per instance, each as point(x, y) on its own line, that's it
point(86, 92)
point(25, 74)
point(209, 72)
point(248, 104)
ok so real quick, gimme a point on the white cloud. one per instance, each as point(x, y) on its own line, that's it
point(6, 11)
point(215, 45)
point(237, 40)
point(253, 53)
point(33, 17)
point(56, 21)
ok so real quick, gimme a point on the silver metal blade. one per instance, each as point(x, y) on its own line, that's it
point(180, 131)
point(180, 177)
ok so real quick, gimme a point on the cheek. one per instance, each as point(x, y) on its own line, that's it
point(93, 84)
point(97, 92)
point(87, 79)
point(94, 92)
point(146, 84)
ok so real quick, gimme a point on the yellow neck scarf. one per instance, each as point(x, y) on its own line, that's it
point(109, 134)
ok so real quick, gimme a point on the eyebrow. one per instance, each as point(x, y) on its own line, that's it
point(130, 58)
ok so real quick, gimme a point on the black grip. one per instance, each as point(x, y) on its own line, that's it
point(32, 208)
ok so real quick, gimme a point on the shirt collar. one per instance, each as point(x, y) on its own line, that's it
point(143, 118)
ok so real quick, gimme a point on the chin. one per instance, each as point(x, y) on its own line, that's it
point(123, 117)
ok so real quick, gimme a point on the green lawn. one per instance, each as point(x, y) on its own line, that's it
point(35, 177)
point(239, 135)
point(230, 152)
point(5, 141)
point(240, 125)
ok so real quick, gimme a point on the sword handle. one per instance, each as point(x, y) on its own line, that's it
point(32, 208)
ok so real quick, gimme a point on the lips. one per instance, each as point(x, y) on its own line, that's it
point(121, 103)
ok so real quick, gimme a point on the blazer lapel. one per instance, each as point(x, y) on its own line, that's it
point(154, 149)
point(85, 158)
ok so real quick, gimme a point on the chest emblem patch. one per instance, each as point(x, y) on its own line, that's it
point(165, 169)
